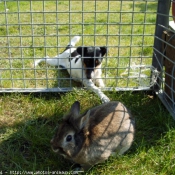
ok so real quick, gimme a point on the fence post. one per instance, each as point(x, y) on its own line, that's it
point(161, 20)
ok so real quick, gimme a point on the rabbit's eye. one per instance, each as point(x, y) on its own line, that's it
point(68, 138)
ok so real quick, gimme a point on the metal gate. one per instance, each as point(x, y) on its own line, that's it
point(164, 54)
point(131, 30)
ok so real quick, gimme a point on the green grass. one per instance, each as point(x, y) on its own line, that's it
point(121, 32)
point(28, 122)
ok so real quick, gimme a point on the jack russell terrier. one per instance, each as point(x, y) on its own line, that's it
point(83, 64)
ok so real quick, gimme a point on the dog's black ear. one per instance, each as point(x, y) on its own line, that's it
point(82, 50)
point(103, 50)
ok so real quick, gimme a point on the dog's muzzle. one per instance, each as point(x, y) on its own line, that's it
point(89, 73)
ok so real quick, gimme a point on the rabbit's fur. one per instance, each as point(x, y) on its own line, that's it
point(92, 137)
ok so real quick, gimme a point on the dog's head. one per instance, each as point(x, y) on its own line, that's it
point(92, 58)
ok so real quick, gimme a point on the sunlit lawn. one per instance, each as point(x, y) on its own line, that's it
point(28, 121)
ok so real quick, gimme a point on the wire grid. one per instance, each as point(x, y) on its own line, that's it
point(30, 30)
point(167, 73)
point(163, 56)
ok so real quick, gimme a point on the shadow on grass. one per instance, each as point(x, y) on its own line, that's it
point(28, 148)
point(64, 80)
point(25, 146)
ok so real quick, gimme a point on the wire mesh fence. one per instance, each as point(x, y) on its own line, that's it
point(164, 53)
point(30, 30)
point(139, 51)
point(166, 90)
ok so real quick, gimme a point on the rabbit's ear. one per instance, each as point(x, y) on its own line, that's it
point(84, 120)
point(75, 109)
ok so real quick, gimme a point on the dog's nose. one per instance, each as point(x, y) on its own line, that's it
point(88, 76)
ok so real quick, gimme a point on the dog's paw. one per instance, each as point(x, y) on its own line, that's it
point(100, 83)
point(105, 99)
point(37, 62)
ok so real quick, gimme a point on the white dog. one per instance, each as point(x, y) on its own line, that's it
point(83, 64)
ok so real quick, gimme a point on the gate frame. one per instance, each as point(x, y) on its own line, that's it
point(162, 23)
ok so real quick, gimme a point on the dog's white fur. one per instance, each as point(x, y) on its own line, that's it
point(76, 69)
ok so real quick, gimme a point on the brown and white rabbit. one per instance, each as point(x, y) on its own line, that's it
point(90, 138)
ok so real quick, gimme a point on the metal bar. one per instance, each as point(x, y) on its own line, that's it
point(170, 107)
point(76, 12)
point(96, 0)
point(162, 19)
point(82, 23)
point(57, 89)
point(119, 41)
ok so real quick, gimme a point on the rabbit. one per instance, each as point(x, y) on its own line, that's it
point(90, 138)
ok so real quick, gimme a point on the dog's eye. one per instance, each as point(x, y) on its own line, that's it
point(68, 138)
